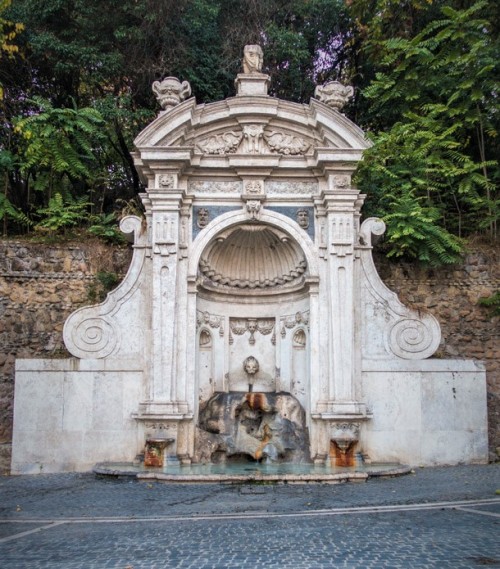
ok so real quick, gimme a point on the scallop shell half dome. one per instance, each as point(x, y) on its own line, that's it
point(253, 256)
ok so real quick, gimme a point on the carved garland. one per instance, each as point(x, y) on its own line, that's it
point(253, 325)
point(291, 321)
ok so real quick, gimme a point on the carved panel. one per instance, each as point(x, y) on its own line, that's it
point(254, 187)
point(280, 187)
point(166, 181)
point(206, 187)
point(341, 227)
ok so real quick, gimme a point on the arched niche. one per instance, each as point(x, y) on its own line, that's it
point(253, 282)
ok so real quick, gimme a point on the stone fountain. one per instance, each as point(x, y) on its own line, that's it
point(252, 323)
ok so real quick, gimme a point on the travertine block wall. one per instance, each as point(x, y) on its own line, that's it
point(468, 329)
point(40, 285)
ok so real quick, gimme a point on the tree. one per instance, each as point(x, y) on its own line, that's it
point(437, 90)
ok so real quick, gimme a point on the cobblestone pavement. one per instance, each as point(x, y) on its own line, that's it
point(438, 517)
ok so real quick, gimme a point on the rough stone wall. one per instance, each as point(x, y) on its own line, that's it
point(40, 285)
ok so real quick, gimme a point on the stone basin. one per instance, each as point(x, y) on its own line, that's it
point(246, 472)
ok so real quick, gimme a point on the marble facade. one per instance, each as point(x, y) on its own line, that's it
point(252, 246)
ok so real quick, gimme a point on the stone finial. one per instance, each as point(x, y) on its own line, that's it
point(252, 59)
point(334, 94)
point(170, 92)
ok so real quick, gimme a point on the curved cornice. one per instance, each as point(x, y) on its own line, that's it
point(183, 124)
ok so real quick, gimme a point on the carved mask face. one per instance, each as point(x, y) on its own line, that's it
point(202, 217)
point(303, 218)
point(169, 92)
point(251, 365)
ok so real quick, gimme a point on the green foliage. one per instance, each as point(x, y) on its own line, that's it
point(492, 302)
point(60, 141)
point(105, 227)
point(10, 211)
point(438, 93)
point(413, 232)
point(8, 32)
point(62, 214)
point(104, 283)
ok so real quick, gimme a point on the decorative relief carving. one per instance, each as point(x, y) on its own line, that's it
point(240, 326)
point(369, 227)
point(93, 337)
point(253, 135)
point(334, 94)
point(170, 92)
point(278, 187)
point(341, 181)
point(252, 59)
point(256, 141)
point(341, 229)
point(345, 430)
point(265, 258)
point(303, 218)
point(253, 208)
point(205, 339)
point(185, 212)
point(254, 187)
point(292, 321)
point(205, 187)
point(166, 181)
point(225, 143)
point(207, 319)
point(161, 427)
point(164, 229)
point(412, 338)
point(202, 217)
point(299, 339)
point(280, 143)
point(164, 235)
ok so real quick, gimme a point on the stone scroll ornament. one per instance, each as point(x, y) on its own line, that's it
point(334, 94)
point(411, 335)
point(92, 331)
point(414, 338)
point(170, 92)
